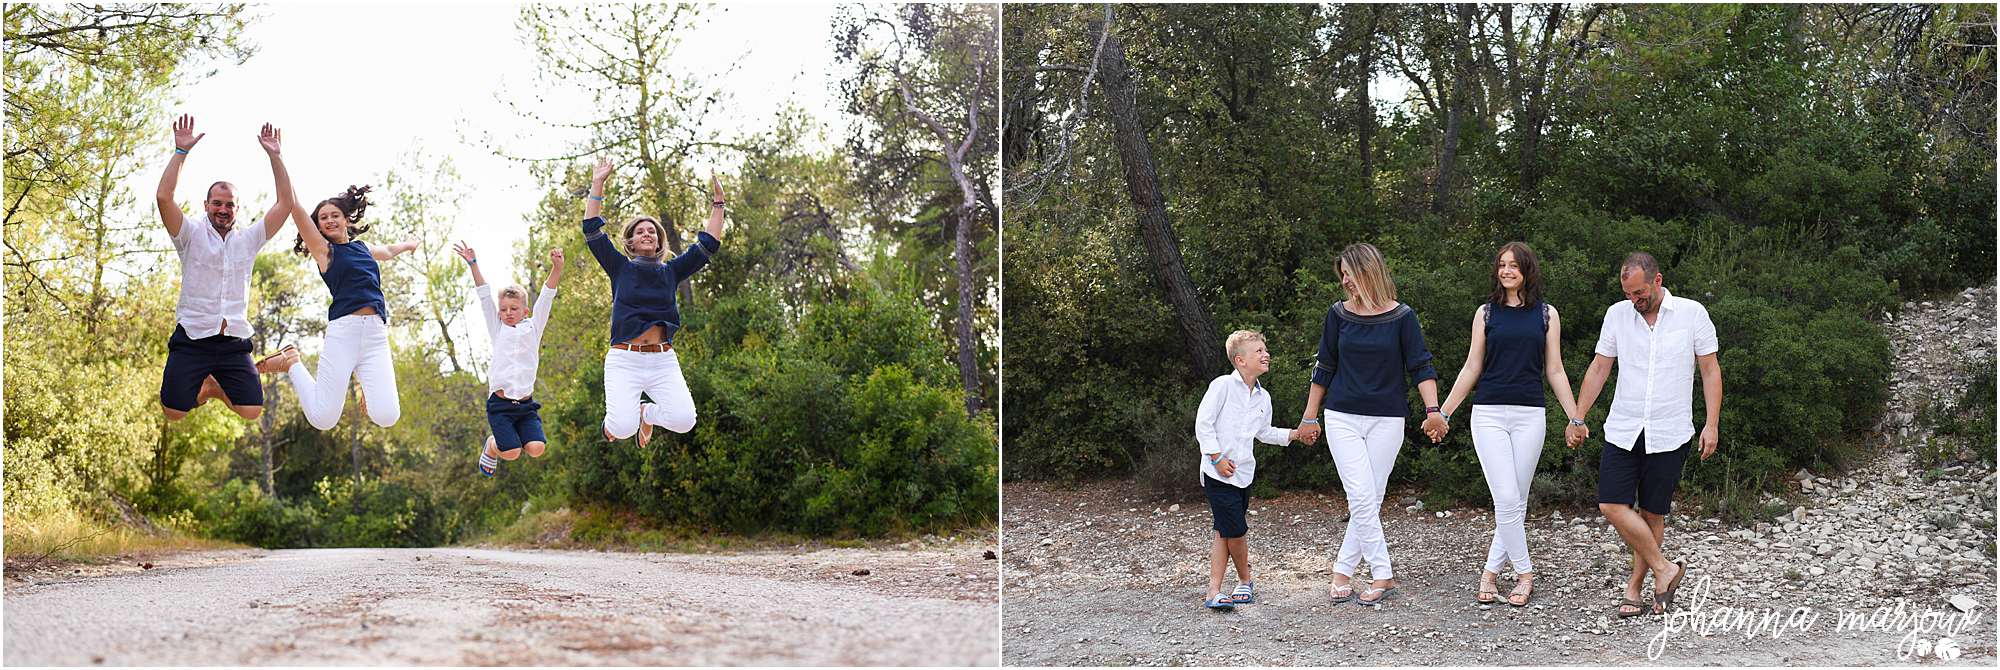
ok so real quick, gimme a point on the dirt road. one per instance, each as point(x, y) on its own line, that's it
point(498, 607)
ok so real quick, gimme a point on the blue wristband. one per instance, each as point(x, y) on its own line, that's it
point(598, 198)
point(180, 151)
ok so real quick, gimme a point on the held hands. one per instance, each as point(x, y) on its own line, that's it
point(269, 138)
point(1575, 435)
point(1307, 433)
point(1435, 427)
point(184, 136)
point(1709, 437)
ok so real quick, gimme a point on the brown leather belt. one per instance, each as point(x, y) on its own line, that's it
point(645, 348)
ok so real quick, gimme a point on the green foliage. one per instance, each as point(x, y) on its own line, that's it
point(847, 425)
point(1778, 160)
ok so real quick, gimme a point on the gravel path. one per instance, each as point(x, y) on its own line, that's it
point(1105, 574)
point(499, 607)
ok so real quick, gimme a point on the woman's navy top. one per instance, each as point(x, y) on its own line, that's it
point(354, 279)
point(1515, 353)
point(642, 288)
point(1363, 360)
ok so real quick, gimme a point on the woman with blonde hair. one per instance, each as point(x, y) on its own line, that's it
point(1369, 345)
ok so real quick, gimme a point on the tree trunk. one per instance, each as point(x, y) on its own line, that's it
point(968, 364)
point(1142, 180)
point(1364, 106)
point(267, 434)
point(1454, 109)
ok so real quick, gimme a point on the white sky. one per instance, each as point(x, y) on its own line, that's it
point(356, 86)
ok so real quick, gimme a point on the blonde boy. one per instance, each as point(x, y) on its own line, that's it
point(1235, 413)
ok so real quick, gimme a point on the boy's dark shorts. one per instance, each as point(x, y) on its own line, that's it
point(514, 422)
point(189, 361)
point(1653, 477)
point(1229, 504)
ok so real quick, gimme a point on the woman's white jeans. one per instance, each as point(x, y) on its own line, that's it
point(658, 375)
point(356, 347)
point(1509, 441)
point(1364, 450)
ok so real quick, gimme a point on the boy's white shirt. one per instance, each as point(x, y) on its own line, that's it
point(1231, 419)
point(516, 350)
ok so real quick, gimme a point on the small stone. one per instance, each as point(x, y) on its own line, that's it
point(1048, 541)
point(1963, 602)
point(863, 572)
point(1174, 508)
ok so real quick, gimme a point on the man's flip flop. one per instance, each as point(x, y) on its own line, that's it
point(1665, 598)
point(1638, 608)
point(1220, 603)
point(1245, 594)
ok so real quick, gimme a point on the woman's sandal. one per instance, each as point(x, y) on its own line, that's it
point(1341, 593)
point(1638, 608)
point(1489, 589)
point(1245, 594)
point(1524, 588)
point(1385, 593)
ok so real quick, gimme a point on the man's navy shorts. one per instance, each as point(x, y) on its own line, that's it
point(189, 361)
point(1625, 476)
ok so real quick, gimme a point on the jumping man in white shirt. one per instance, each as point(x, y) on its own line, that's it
point(511, 410)
point(1658, 341)
point(208, 356)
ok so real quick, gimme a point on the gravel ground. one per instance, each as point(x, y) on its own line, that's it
point(1105, 574)
point(927, 606)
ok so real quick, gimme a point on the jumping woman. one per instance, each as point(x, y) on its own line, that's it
point(644, 316)
point(357, 327)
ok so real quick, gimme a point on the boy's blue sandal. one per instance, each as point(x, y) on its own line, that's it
point(1245, 594)
point(1220, 603)
point(487, 463)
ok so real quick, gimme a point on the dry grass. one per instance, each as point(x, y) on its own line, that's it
point(70, 537)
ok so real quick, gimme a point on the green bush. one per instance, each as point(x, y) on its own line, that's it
point(850, 425)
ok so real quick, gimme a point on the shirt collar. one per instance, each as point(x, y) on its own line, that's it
point(1238, 376)
point(1666, 299)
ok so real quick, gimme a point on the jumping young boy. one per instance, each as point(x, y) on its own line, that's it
point(1235, 411)
point(511, 412)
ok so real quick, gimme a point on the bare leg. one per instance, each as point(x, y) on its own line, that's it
point(1645, 543)
point(1218, 563)
point(534, 449)
point(1239, 549)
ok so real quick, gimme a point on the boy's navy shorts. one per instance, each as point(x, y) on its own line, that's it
point(1624, 477)
point(1229, 504)
point(189, 361)
point(514, 422)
